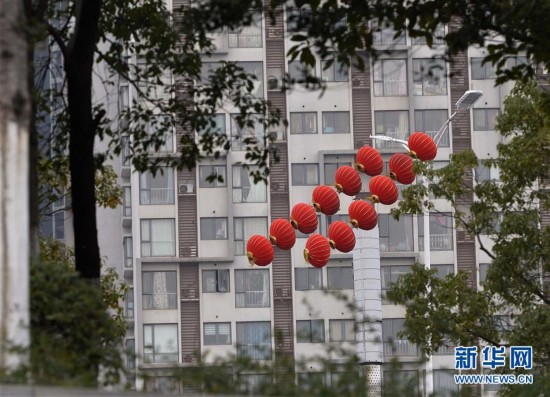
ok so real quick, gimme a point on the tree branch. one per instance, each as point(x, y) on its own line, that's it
point(58, 40)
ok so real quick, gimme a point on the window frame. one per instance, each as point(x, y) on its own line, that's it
point(332, 73)
point(265, 300)
point(383, 80)
point(236, 240)
point(218, 283)
point(344, 324)
point(148, 177)
point(150, 221)
point(420, 221)
point(154, 345)
point(303, 122)
point(258, 195)
point(307, 271)
point(427, 77)
point(304, 167)
point(338, 129)
point(488, 114)
point(267, 344)
point(171, 304)
point(217, 334)
point(420, 123)
point(309, 336)
point(203, 183)
point(214, 237)
point(480, 71)
point(342, 278)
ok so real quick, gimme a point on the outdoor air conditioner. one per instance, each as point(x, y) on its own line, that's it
point(186, 188)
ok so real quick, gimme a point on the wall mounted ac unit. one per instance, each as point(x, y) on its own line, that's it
point(184, 188)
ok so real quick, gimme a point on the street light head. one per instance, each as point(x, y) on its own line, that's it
point(468, 100)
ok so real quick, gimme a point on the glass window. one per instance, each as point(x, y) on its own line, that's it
point(129, 303)
point(390, 77)
point(213, 228)
point(159, 290)
point(130, 351)
point(443, 270)
point(429, 76)
point(483, 269)
point(342, 330)
point(298, 19)
point(305, 174)
point(337, 71)
point(385, 34)
point(393, 123)
point(164, 123)
point(160, 343)
point(394, 344)
point(340, 277)
point(303, 123)
point(298, 72)
point(395, 235)
point(254, 340)
point(429, 121)
point(148, 78)
point(215, 125)
point(256, 69)
point(252, 288)
point(330, 171)
point(158, 237)
point(157, 189)
point(247, 36)
point(215, 280)
point(441, 232)
point(308, 279)
point(252, 133)
point(390, 274)
point(128, 252)
point(245, 190)
point(336, 123)
point(484, 173)
point(246, 227)
point(126, 201)
point(217, 333)
point(485, 119)
point(444, 383)
point(482, 71)
point(438, 37)
point(310, 331)
point(215, 171)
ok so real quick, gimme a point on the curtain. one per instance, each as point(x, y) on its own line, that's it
point(160, 291)
point(336, 334)
point(163, 237)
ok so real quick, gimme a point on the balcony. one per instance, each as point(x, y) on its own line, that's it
point(438, 242)
point(400, 348)
point(157, 196)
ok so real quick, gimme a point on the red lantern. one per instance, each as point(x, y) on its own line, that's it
point(401, 168)
point(341, 236)
point(422, 146)
point(369, 161)
point(347, 180)
point(317, 251)
point(362, 215)
point(383, 190)
point(282, 234)
point(259, 250)
point(325, 200)
point(304, 218)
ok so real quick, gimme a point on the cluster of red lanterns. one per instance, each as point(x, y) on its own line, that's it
point(325, 200)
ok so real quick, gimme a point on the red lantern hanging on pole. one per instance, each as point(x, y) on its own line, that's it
point(259, 250)
point(347, 180)
point(304, 218)
point(282, 234)
point(317, 251)
point(325, 200)
point(383, 190)
point(362, 215)
point(401, 168)
point(341, 236)
point(422, 146)
point(369, 161)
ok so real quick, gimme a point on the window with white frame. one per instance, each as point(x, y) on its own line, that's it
point(340, 277)
point(308, 278)
point(486, 173)
point(394, 344)
point(159, 291)
point(444, 383)
point(310, 331)
point(342, 330)
point(303, 122)
point(395, 235)
point(392, 123)
point(128, 252)
point(158, 237)
point(483, 270)
point(212, 176)
point(335, 72)
point(215, 125)
point(305, 174)
point(213, 228)
point(390, 77)
point(441, 232)
point(245, 190)
point(160, 343)
point(429, 121)
point(480, 70)
point(391, 274)
point(250, 132)
point(247, 36)
point(252, 288)
point(129, 303)
point(485, 119)
point(126, 201)
point(216, 333)
point(429, 76)
point(298, 72)
point(163, 126)
point(254, 340)
point(215, 280)
point(443, 271)
point(246, 227)
point(336, 123)
point(157, 189)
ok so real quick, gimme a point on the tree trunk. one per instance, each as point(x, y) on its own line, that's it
point(14, 189)
point(79, 61)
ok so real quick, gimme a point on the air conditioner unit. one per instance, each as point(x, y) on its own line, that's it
point(186, 188)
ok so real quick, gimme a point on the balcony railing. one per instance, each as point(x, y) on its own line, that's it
point(390, 88)
point(252, 299)
point(160, 301)
point(400, 348)
point(157, 196)
point(238, 40)
point(444, 351)
point(391, 145)
point(438, 242)
point(255, 352)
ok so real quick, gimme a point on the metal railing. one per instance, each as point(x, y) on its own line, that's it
point(400, 348)
point(390, 88)
point(255, 352)
point(252, 299)
point(157, 196)
point(438, 242)
point(238, 40)
point(164, 301)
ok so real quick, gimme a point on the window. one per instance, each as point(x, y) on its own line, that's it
point(482, 72)
point(486, 173)
point(337, 71)
point(305, 174)
point(443, 271)
point(159, 291)
point(390, 77)
point(147, 80)
point(245, 190)
point(217, 333)
point(430, 121)
point(303, 123)
point(208, 69)
point(215, 171)
point(256, 69)
point(214, 126)
point(128, 252)
point(161, 123)
point(390, 274)
point(385, 35)
point(215, 280)
point(308, 279)
point(340, 277)
point(158, 237)
point(126, 201)
point(394, 344)
point(516, 61)
point(441, 232)
point(298, 19)
point(342, 330)
point(335, 122)
point(130, 351)
point(213, 228)
point(252, 288)
point(429, 76)
point(251, 133)
point(330, 170)
point(310, 331)
point(485, 119)
point(254, 340)
point(395, 235)
point(393, 123)
point(246, 227)
point(247, 36)
point(444, 383)
point(157, 189)
point(298, 72)
point(54, 225)
point(483, 269)
point(438, 37)
point(160, 343)
point(129, 303)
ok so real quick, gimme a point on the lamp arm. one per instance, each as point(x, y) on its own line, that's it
point(439, 134)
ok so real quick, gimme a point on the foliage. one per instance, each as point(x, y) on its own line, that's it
point(508, 218)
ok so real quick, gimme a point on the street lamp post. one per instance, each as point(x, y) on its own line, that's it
point(465, 102)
